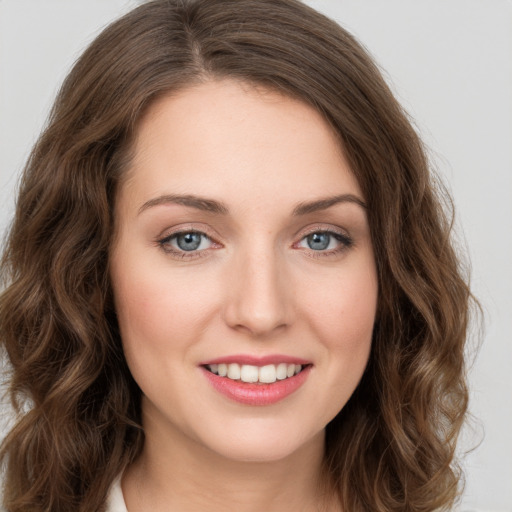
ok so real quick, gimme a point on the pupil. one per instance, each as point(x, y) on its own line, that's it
point(189, 241)
point(318, 241)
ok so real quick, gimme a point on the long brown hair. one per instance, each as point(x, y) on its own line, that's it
point(392, 446)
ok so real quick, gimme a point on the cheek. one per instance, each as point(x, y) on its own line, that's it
point(157, 311)
point(153, 327)
point(340, 311)
point(344, 308)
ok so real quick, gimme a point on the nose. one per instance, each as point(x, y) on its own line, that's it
point(258, 296)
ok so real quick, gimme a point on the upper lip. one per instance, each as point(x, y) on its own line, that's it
point(256, 360)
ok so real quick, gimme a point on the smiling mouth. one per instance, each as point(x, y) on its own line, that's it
point(252, 374)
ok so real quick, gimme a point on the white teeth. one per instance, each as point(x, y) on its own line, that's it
point(281, 371)
point(248, 373)
point(268, 374)
point(234, 371)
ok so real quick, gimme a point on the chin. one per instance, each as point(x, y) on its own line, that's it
point(269, 443)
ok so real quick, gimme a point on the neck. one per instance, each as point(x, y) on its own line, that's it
point(184, 475)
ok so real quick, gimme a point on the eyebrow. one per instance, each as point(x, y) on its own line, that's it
point(325, 203)
point(213, 206)
point(200, 203)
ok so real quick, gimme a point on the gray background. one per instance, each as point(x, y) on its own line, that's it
point(450, 63)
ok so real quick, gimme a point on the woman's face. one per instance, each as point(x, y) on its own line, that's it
point(243, 247)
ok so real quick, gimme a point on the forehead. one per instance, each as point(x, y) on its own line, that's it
point(224, 138)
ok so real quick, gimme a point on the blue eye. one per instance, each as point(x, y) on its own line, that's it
point(325, 241)
point(187, 241)
point(318, 241)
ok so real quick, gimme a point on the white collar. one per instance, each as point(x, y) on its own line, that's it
point(115, 499)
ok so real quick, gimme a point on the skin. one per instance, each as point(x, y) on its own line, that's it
point(254, 286)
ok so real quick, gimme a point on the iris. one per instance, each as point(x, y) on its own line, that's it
point(318, 241)
point(189, 241)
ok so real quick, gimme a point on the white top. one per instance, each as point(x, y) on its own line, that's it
point(115, 500)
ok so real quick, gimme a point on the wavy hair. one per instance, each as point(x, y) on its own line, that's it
point(391, 448)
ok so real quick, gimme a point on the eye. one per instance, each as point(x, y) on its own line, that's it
point(325, 241)
point(186, 241)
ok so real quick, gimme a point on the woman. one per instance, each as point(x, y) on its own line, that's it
point(229, 282)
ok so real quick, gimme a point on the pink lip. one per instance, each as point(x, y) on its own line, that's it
point(257, 360)
point(256, 394)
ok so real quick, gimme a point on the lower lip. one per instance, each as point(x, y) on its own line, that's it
point(257, 394)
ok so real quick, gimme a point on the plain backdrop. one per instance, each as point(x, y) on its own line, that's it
point(450, 64)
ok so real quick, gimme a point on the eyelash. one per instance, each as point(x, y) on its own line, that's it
point(164, 243)
point(345, 241)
